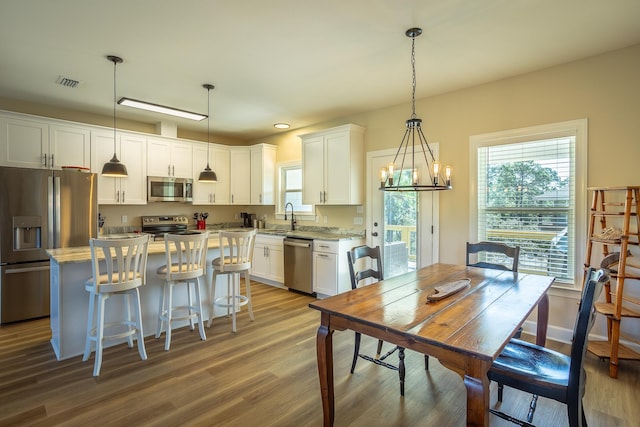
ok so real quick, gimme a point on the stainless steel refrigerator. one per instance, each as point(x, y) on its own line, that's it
point(39, 210)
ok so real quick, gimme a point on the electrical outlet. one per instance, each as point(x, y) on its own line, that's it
point(357, 220)
point(359, 209)
point(124, 219)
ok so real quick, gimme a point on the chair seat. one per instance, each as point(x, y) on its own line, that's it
point(229, 265)
point(106, 285)
point(536, 365)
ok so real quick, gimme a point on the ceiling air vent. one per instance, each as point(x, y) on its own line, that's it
point(65, 81)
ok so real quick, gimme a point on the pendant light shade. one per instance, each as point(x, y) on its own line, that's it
point(207, 175)
point(403, 173)
point(114, 167)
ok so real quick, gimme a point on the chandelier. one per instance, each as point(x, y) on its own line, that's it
point(412, 148)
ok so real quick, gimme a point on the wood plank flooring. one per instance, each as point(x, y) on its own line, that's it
point(264, 375)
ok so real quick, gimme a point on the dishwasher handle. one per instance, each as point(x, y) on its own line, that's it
point(297, 244)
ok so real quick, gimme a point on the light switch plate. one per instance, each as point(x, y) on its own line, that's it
point(357, 220)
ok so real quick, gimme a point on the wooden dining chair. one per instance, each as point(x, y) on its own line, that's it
point(358, 255)
point(495, 255)
point(547, 373)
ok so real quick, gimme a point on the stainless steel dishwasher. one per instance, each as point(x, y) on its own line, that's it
point(298, 265)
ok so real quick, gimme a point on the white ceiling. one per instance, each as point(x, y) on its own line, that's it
point(296, 61)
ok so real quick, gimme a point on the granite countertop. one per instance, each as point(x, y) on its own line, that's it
point(83, 253)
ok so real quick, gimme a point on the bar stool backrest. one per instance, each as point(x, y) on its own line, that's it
point(119, 264)
point(236, 249)
point(186, 254)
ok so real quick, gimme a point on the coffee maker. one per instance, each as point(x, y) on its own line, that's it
point(247, 219)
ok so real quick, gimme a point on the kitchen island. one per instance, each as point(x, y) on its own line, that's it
point(71, 267)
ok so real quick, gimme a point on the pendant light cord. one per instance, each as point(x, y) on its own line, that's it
point(115, 64)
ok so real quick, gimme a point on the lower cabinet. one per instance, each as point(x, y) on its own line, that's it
point(268, 260)
point(330, 267)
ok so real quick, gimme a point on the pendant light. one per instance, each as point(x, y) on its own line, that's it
point(207, 175)
point(439, 179)
point(114, 167)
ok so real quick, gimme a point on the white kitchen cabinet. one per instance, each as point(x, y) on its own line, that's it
point(330, 268)
point(168, 157)
point(40, 144)
point(263, 174)
point(132, 152)
point(333, 166)
point(268, 259)
point(240, 175)
point(211, 193)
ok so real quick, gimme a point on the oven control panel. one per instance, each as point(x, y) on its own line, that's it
point(164, 220)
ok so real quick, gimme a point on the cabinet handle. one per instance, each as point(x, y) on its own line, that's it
point(261, 198)
point(173, 170)
point(232, 198)
point(45, 160)
point(323, 255)
point(52, 161)
point(122, 196)
point(321, 197)
point(323, 246)
point(324, 199)
point(117, 196)
point(214, 197)
point(169, 170)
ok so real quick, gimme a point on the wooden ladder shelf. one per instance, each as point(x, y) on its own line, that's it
point(616, 234)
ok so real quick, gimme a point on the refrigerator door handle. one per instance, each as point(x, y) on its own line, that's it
point(56, 189)
point(50, 217)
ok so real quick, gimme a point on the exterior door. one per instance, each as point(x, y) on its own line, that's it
point(403, 224)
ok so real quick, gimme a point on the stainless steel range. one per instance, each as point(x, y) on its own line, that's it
point(159, 225)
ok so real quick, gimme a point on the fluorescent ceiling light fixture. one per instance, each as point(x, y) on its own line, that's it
point(143, 105)
point(281, 125)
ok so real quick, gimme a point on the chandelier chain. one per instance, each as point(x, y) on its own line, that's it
point(413, 82)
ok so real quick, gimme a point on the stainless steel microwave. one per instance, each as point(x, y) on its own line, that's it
point(166, 189)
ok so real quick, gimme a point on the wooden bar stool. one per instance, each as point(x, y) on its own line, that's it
point(240, 253)
point(186, 256)
point(118, 267)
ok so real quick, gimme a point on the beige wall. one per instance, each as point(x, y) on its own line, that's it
point(604, 89)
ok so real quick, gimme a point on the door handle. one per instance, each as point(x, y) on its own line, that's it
point(374, 234)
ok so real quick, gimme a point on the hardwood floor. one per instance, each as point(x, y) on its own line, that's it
point(264, 375)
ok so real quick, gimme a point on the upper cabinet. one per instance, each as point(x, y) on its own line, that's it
point(263, 173)
point(168, 157)
point(36, 144)
point(240, 175)
point(205, 193)
point(333, 166)
point(131, 150)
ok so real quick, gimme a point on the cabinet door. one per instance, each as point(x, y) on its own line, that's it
point(263, 169)
point(133, 149)
point(101, 153)
point(220, 165)
point(260, 261)
point(325, 273)
point(337, 163)
point(69, 146)
point(23, 143)
point(276, 263)
point(158, 157)
point(313, 170)
point(240, 177)
point(202, 191)
point(181, 159)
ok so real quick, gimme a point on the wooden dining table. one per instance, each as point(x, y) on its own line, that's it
point(465, 331)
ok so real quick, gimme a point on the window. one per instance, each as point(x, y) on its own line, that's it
point(529, 191)
point(291, 188)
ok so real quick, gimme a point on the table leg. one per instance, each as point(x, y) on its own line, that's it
point(543, 321)
point(324, 348)
point(478, 394)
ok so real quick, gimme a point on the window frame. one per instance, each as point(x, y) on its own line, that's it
point(279, 214)
point(576, 128)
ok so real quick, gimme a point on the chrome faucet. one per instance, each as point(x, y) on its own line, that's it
point(293, 222)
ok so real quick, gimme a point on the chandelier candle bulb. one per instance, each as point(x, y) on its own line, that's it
point(415, 177)
point(447, 174)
